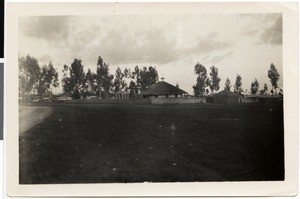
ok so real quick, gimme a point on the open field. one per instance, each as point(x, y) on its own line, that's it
point(135, 143)
point(31, 116)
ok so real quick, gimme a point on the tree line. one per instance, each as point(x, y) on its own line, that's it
point(33, 77)
point(210, 84)
point(78, 84)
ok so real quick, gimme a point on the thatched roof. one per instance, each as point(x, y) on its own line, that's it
point(163, 88)
point(226, 93)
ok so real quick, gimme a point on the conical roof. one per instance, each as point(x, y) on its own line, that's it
point(226, 93)
point(163, 88)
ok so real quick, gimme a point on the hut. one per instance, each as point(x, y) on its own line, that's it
point(163, 89)
point(226, 97)
point(122, 95)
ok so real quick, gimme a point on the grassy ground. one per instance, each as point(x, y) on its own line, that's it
point(137, 143)
point(31, 116)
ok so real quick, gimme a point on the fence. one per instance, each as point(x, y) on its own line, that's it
point(110, 101)
point(199, 100)
point(140, 101)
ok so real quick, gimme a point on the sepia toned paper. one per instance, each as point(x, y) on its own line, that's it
point(289, 77)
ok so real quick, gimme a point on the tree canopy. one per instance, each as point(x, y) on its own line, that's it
point(227, 85)
point(48, 77)
point(29, 74)
point(199, 87)
point(73, 84)
point(146, 77)
point(119, 82)
point(90, 83)
point(273, 75)
point(33, 79)
point(238, 84)
point(214, 82)
point(133, 89)
point(254, 86)
point(103, 78)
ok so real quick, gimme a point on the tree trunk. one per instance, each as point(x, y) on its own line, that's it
point(99, 91)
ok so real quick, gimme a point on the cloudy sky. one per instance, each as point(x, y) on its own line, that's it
point(244, 44)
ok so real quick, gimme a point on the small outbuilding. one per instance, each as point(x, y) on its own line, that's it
point(163, 89)
point(122, 95)
point(226, 97)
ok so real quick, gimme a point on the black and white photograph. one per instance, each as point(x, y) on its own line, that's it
point(151, 98)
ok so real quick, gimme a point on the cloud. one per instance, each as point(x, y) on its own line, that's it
point(208, 44)
point(117, 43)
point(81, 38)
point(218, 58)
point(263, 28)
point(212, 35)
point(273, 34)
point(250, 33)
point(50, 28)
point(45, 59)
point(122, 46)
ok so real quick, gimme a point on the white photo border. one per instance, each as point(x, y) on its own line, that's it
point(288, 187)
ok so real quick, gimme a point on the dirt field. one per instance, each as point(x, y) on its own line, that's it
point(168, 143)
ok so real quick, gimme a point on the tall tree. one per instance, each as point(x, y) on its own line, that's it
point(254, 86)
point(133, 89)
point(199, 87)
point(214, 83)
point(29, 74)
point(74, 84)
point(127, 73)
point(128, 76)
point(100, 61)
point(147, 77)
point(265, 89)
point(135, 73)
point(103, 78)
point(274, 76)
point(90, 83)
point(66, 81)
point(119, 82)
point(227, 85)
point(238, 84)
point(48, 77)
